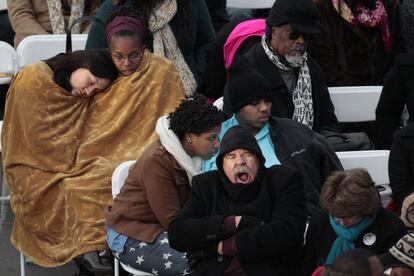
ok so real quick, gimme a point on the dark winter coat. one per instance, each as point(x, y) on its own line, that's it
point(397, 92)
point(352, 55)
point(298, 146)
point(273, 220)
point(282, 104)
point(401, 164)
point(386, 227)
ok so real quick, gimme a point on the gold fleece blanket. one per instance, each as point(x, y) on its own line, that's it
point(60, 152)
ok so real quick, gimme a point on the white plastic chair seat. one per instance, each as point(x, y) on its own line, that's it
point(118, 179)
point(250, 4)
point(8, 62)
point(355, 103)
point(40, 47)
point(376, 163)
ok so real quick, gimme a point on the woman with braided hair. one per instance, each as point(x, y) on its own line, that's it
point(181, 31)
point(158, 186)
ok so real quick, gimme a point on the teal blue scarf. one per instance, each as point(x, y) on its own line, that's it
point(346, 236)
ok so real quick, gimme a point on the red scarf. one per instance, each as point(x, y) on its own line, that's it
point(367, 18)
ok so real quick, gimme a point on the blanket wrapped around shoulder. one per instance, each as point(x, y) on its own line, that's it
point(60, 152)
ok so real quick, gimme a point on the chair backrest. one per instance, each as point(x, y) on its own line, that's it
point(8, 62)
point(3, 5)
point(39, 47)
point(250, 4)
point(119, 175)
point(376, 163)
point(355, 103)
point(219, 103)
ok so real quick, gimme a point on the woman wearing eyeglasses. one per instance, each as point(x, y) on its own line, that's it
point(181, 32)
point(352, 217)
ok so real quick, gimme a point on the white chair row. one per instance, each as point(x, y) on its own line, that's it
point(376, 163)
point(3, 5)
point(355, 103)
point(32, 49)
point(39, 47)
point(352, 103)
point(250, 4)
point(8, 62)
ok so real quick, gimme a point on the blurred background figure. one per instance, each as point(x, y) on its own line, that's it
point(34, 17)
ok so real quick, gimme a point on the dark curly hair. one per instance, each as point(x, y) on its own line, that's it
point(194, 115)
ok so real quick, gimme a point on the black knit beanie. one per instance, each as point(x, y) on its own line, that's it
point(302, 15)
point(238, 137)
point(244, 85)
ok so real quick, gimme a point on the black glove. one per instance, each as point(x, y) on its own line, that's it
point(206, 253)
point(248, 222)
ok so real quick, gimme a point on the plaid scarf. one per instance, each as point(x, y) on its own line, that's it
point(302, 94)
point(165, 43)
point(57, 20)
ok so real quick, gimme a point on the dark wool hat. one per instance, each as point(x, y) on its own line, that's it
point(244, 85)
point(238, 137)
point(400, 254)
point(302, 15)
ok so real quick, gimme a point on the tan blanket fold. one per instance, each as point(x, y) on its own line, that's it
point(59, 153)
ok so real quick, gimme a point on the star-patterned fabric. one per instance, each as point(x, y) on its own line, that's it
point(157, 258)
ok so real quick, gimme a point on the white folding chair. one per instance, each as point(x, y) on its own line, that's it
point(8, 62)
point(118, 180)
point(250, 4)
point(39, 47)
point(376, 163)
point(3, 5)
point(355, 103)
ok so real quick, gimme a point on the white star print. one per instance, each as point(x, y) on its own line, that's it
point(142, 244)
point(168, 265)
point(186, 272)
point(166, 256)
point(140, 259)
point(155, 272)
point(131, 249)
point(164, 240)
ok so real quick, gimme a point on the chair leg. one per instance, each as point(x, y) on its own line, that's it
point(116, 267)
point(22, 265)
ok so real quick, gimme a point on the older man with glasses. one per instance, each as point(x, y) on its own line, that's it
point(297, 83)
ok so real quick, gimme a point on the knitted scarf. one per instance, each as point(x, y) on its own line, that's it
point(165, 44)
point(302, 94)
point(346, 236)
point(57, 19)
point(367, 18)
point(173, 145)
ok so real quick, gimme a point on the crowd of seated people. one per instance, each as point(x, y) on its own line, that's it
point(253, 189)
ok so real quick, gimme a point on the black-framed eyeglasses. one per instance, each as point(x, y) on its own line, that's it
point(293, 35)
point(119, 58)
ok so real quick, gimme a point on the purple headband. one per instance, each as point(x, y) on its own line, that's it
point(124, 23)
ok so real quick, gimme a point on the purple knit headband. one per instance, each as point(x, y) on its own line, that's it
point(124, 23)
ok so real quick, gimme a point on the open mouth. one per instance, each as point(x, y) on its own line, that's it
point(243, 177)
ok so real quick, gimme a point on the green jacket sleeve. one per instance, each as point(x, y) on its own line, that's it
point(96, 36)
